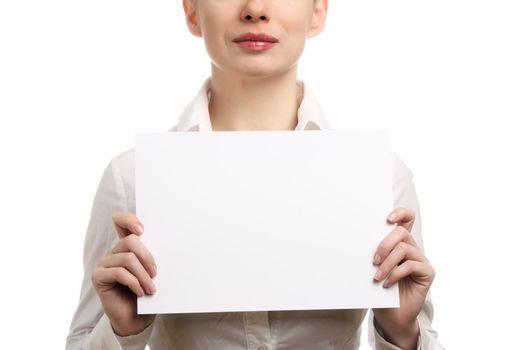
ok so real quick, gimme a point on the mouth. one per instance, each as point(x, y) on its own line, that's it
point(255, 42)
point(261, 37)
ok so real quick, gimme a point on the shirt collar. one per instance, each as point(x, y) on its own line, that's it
point(195, 116)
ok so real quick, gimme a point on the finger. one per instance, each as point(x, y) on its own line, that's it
point(403, 251)
point(126, 224)
point(402, 217)
point(133, 265)
point(398, 234)
point(132, 243)
point(420, 271)
point(108, 277)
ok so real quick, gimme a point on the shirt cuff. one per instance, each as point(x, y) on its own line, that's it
point(135, 341)
point(382, 344)
point(103, 337)
point(427, 341)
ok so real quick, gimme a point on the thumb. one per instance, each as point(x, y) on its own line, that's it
point(126, 224)
point(402, 217)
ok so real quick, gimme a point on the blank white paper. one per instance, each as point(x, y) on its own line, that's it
point(264, 220)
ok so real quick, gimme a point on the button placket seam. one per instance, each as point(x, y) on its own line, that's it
point(248, 332)
point(253, 330)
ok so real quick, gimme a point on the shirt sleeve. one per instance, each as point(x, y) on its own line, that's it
point(90, 328)
point(404, 194)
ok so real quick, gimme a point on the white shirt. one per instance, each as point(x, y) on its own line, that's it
point(315, 330)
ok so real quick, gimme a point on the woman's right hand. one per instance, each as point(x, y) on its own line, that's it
point(123, 274)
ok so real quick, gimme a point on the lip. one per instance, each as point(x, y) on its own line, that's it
point(255, 41)
point(255, 37)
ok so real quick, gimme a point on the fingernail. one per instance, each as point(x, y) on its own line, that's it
point(386, 284)
point(152, 288)
point(138, 228)
point(392, 217)
point(378, 274)
point(155, 270)
point(377, 259)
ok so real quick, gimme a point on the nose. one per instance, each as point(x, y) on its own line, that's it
point(255, 11)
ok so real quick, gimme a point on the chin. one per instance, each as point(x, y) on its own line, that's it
point(257, 72)
point(254, 69)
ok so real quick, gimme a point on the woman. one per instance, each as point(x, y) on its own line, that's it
point(254, 46)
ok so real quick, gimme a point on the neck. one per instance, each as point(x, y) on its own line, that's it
point(239, 103)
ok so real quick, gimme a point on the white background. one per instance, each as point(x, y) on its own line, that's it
point(78, 79)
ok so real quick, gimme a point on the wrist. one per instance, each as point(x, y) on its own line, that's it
point(404, 336)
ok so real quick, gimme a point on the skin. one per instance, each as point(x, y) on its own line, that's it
point(123, 274)
point(400, 260)
point(241, 83)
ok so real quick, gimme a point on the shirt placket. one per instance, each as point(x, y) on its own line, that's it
point(257, 330)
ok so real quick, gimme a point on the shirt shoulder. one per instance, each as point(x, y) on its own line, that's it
point(402, 183)
point(124, 161)
point(123, 168)
point(401, 171)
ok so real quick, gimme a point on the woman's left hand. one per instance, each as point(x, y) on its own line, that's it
point(399, 259)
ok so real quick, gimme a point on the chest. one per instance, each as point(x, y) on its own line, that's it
point(316, 329)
